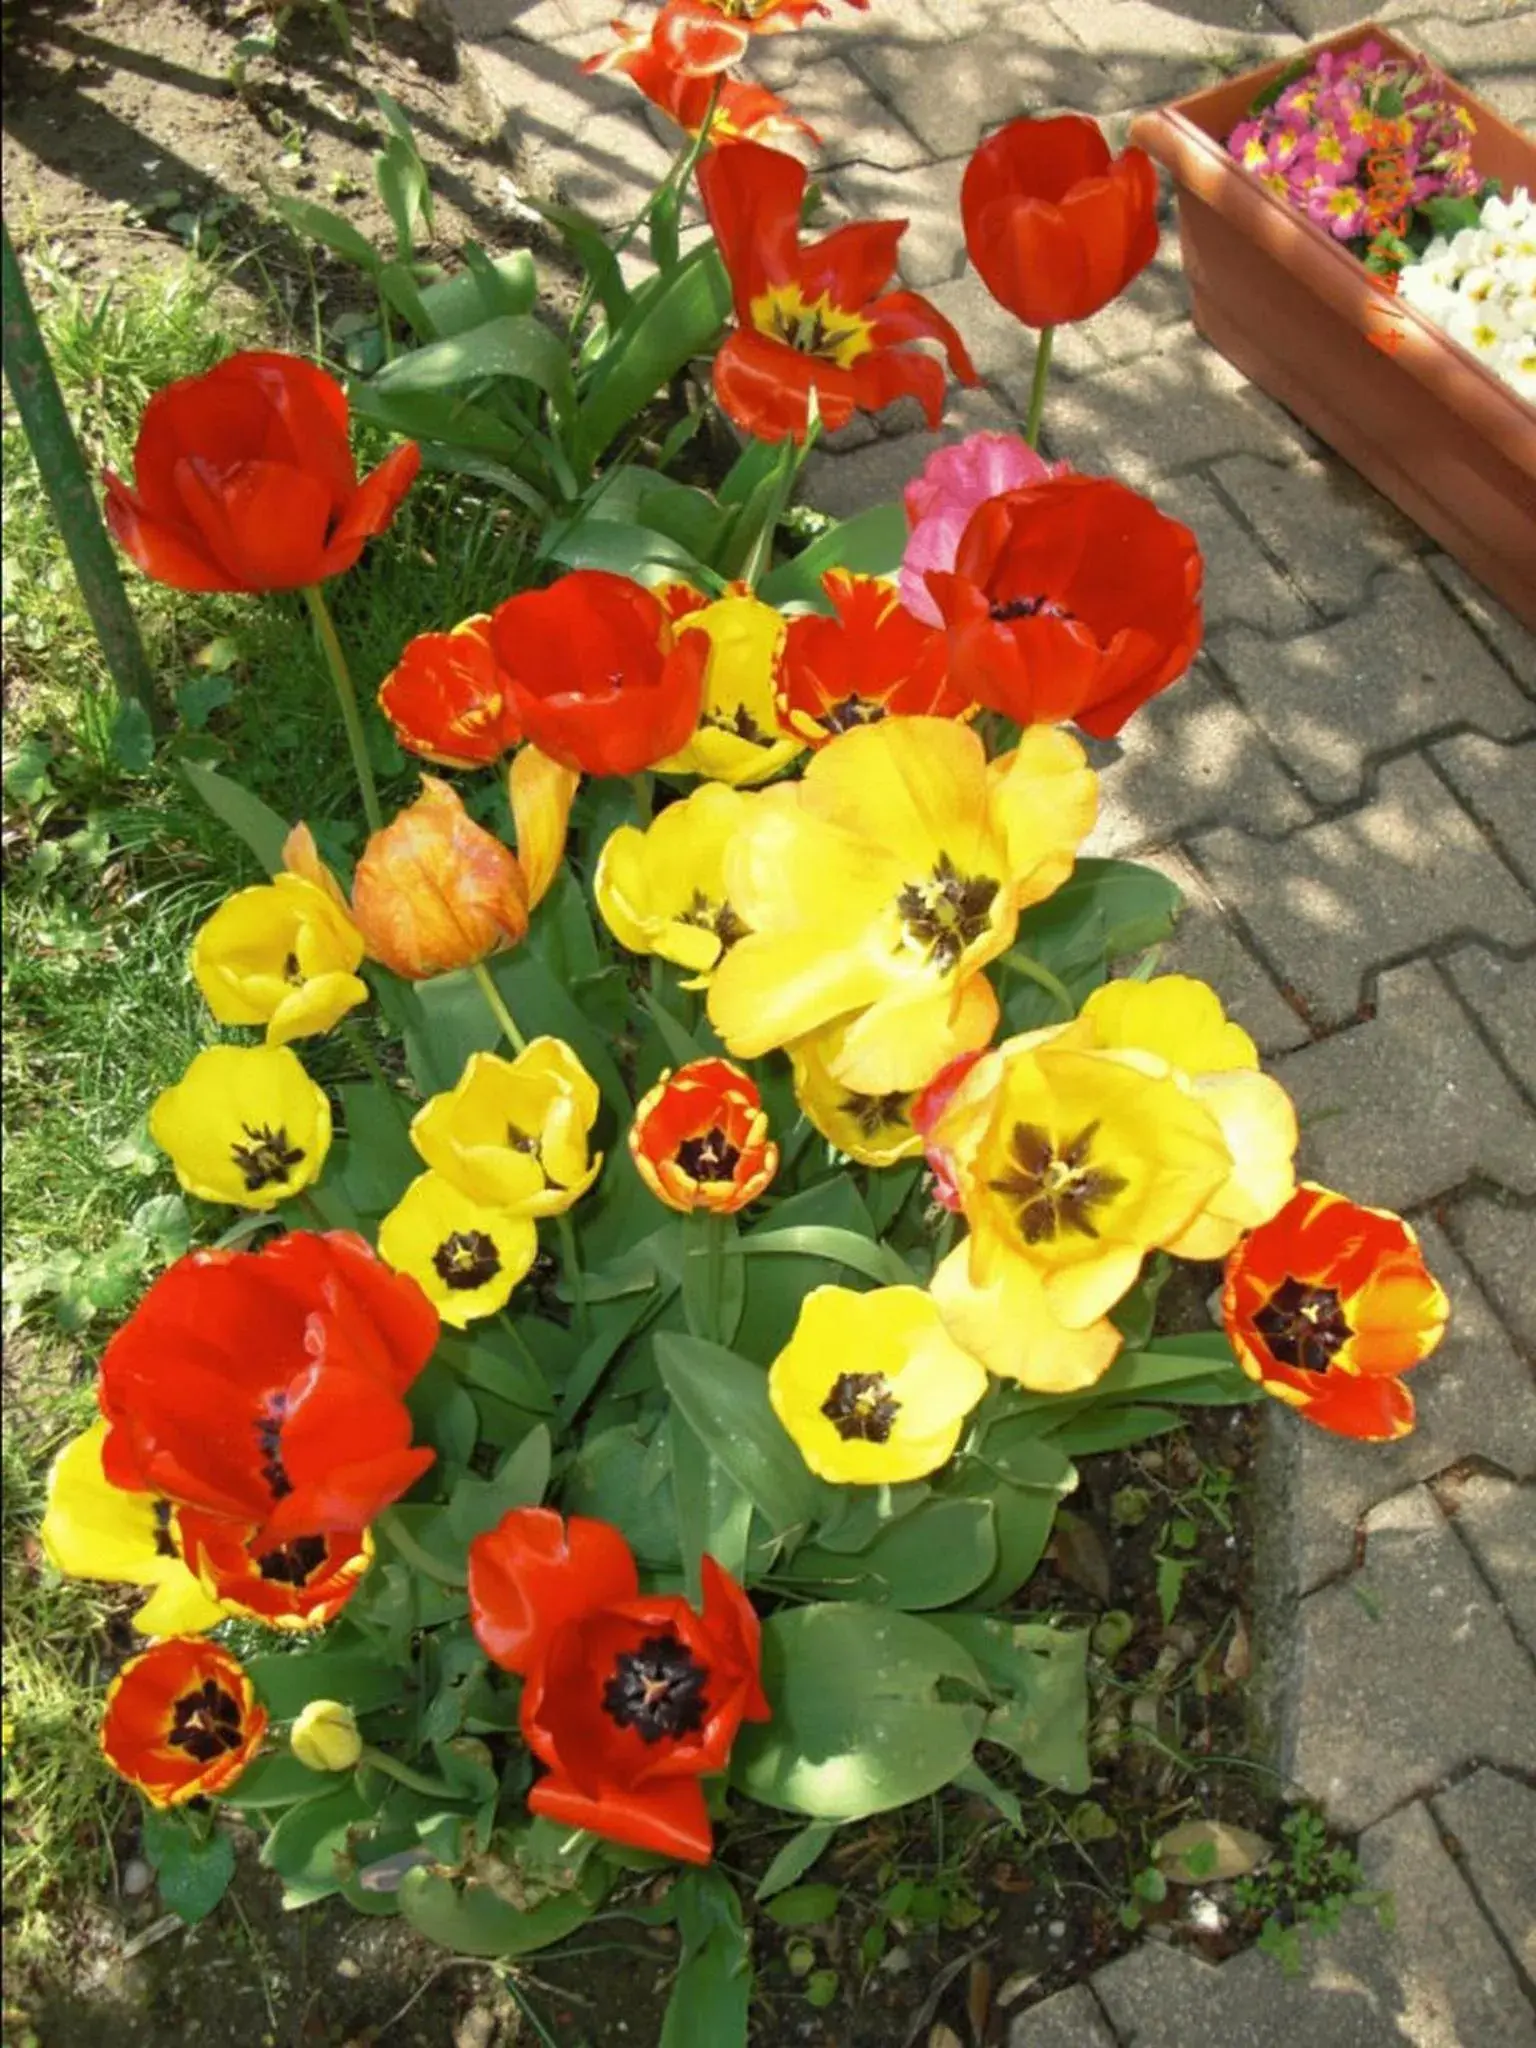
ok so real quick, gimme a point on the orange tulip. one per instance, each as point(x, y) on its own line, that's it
point(435, 891)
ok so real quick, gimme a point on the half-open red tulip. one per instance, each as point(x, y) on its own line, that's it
point(244, 480)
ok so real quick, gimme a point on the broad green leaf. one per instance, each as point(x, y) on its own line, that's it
point(319, 224)
point(271, 1781)
point(447, 417)
point(286, 1682)
point(713, 1987)
point(858, 1724)
point(639, 552)
point(1105, 910)
point(724, 1398)
point(585, 239)
point(805, 1905)
point(521, 1481)
point(614, 1478)
point(795, 1858)
point(1038, 1676)
point(654, 341)
point(874, 1260)
point(374, 1160)
point(398, 286)
point(308, 1842)
point(470, 1919)
point(512, 345)
point(254, 823)
point(193, 1870)
point(1112, 1429)
point(930, 1558)
point(869, 544)
point(485, 290)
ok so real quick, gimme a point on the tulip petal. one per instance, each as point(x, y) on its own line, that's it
point(667, 1816)
point(541, 792)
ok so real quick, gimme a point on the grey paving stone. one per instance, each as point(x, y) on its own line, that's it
point(1028, 65)
point(1494, 56)
point(844, 32)
point(1242, 585)
point(1071, 2019)
point(927, 198)
point(1497, 1518)
point(1205, 945)
point(854, 126)
point(1404, 667)
point(1405, 1670)
point(1509, 639)
point(1398, 875)
point(1493, 1821)
point(1189, 756)
point(877, 473)
point(1405, 1108)
point(1003, 349)
point(1503, 993)
point(1498, 785)
point(1332, 531)
point(1153, 54)
point(1474, 1397)
point(1499, 1240)
point(1322, 17)
point(1154, 301)
point(1179, 406)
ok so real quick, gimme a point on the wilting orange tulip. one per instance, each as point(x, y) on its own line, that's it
point(244, 480)
point(736, 111)
point(701, 38)
point(447, 699)
point(435, 891)
point(1055, 227)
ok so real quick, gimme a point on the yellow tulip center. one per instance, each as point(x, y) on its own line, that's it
point(1303, 1326)
point(861, 1407)
point(710, 1158)
point(657, 1689)
point(876, 1113)
point(205, 1723)
point(947, 912)
point(1057, 1191)
point(466, 1259)
point(295, 1563)
point(292, 972)
point(268, 1158)
point(811, 328)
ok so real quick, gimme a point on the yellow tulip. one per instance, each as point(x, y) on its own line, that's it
point(883, 882)
point(94, 1530)
point(466, 1256)
point(513, 1133)
point(738, 739)
point(325, 1737)
point(244, 1125)
point(283, 955)
point(1009, 1324)
point(1174, 1016)
point(872, 1387)
point(663, 890)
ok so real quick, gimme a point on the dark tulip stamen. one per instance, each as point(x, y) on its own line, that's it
point(1303, 1326)
point(205, 1723)
point(862, 1408)
point(658, 1690)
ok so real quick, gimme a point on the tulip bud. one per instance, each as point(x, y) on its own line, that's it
point(434, 891)
point(325, 1737)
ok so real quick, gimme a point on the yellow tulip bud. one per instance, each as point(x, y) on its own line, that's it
point(325, 1737)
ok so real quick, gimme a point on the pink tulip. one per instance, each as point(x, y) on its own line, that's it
point(939, 502)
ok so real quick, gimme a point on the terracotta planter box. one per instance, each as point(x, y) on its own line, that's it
point(1432, 429)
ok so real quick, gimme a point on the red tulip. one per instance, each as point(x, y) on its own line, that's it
point(448, 701)
point(599, 679)
point(700, 1139)
point(871, 660)
point(244, 480)
point(300, 1584)
point(815, 319)
point(267, 1386)
point(182, 1721)
point(704, 37)
point(1327, 1304)
point(692, 91)
point(628, 1699)
point(1071, 599)
point(1055, 227)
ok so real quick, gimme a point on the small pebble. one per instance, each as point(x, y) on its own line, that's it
point(1204, 1914)
point(1056, 1929)
point(137, 1877)
point(349, 1968)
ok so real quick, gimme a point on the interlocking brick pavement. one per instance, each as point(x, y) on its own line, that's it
point(1345, 787)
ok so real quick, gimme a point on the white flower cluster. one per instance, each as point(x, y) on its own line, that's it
point(1480, 286)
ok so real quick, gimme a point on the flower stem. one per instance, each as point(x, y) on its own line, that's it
point(413, 1554)
point(1037, 385)
point(642, 787)
point(346, 697)
point(381, 1760)
point(570, 1268)
point(498, 1008)
point(1026, 964)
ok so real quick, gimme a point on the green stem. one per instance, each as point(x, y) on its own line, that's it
point(705, 1239)
point(1025, 964)
point(346, 697)
point(368, 1059)
point(498, 1008)
point(682, 174)
point(407, 1548)
point(1037, 386)
point(381, 1760)
point(570, 1268)
point(642, 787)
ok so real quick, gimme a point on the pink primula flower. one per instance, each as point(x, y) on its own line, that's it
point(940, 501)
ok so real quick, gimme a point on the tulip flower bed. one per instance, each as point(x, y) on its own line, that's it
point(642, 1408)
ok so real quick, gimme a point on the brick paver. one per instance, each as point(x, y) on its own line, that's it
point(1346, 788)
